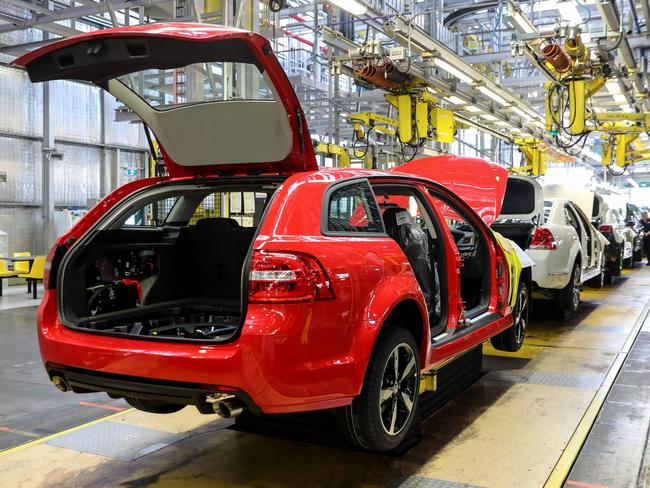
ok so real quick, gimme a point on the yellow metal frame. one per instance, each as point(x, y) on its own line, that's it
point(535, 156)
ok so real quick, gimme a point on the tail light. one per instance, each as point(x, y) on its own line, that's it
point(605, 228)
point(543, 239)
point(52, 262)
point(287, 277)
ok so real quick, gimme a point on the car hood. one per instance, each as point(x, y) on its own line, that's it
point(203, 127)
point(480, 183)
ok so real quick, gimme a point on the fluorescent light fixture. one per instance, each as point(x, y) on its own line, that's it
point(520, 112)
point(518, 20)
point(351, 6)
point(619, 98)
point(452, 70)
point(472, 108)
point(626, 107)
point(502, 123)
point(488, 117)
point(613, 87)
point(490, 94)
point(569, 11)
point(455, 100)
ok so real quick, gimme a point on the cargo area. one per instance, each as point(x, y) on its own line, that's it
point(166, 265)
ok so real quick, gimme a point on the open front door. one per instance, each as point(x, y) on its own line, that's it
point(216, 97)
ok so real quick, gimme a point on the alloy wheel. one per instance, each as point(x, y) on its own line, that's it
point(398, 389)
point(575, 297)
point(521, 315)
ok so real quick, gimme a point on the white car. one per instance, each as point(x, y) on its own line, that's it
point(609, 219)
point(557, 235)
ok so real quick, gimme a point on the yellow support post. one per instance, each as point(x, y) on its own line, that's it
point(405, 118)
point(577, 102)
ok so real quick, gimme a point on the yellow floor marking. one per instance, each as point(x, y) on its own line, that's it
point(12, 450)
point(564, 464)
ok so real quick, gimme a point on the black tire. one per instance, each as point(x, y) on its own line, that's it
point(607, 279)
point(383, 424)
point(637, 255)
point(153, 406)
point(569, 297)
point(616, 263)
point(512, 338)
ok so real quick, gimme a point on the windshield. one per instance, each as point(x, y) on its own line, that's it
point(164, 89)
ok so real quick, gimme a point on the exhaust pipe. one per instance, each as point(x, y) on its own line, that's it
point(60, 383)
point(227, 407)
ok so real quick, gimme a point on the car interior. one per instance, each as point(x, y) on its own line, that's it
point(472, 247)
point(409, 223)
point(170, 266)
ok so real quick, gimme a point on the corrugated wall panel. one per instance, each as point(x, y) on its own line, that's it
point(22, 226)
point(76, 176)
point(21, 159)
point(122, 133)
point(21, 103)
point(76, 111)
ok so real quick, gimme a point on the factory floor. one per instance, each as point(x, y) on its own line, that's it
point(571, 408)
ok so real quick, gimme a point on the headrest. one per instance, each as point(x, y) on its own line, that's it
point(394, 217)
point(217, 225)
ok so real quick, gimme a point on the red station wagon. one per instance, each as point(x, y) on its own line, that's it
point(248, 279)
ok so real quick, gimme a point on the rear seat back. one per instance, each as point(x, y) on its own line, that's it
point(221, 245)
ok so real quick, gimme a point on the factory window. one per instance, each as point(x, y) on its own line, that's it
point(151, 215)
point(169, 88)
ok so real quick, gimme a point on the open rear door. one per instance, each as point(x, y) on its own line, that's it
point(216, 97)
point(479, 183)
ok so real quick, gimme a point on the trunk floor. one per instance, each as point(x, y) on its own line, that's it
point(523, 421)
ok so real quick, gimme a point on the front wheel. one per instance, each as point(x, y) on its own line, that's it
point(380, 418)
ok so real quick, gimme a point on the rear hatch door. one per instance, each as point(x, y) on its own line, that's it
point(215, 97)
point(523, 200)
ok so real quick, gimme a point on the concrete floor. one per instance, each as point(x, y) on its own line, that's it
point(521, 425)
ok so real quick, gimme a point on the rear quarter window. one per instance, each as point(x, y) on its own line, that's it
point(352, 209)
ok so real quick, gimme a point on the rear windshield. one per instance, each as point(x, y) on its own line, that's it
point(519, 198)
point(164, 89)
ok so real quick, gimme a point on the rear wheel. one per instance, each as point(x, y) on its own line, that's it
point(153, 406)
point(512, 338)
point(380, 418)
point(569, 296)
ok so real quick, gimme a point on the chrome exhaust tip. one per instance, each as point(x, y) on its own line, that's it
point(226, 407)
point(60, 383)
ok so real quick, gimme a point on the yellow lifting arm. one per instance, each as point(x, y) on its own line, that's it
point(535, 156)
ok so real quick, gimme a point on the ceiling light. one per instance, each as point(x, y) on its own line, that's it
point(490, 94)
point(626, 107)
point(503, 123)
point(519, 20)
point(619, 98)
point(613, 87)
point(472, 108)
point(452, 70)
point(488, 117)
point(520, 112)
point(569, 11)
point(351, 6)
point(455, 100)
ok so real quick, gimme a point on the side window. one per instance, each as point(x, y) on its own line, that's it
point(571, 219)
point(352, 208)
point(152, 214)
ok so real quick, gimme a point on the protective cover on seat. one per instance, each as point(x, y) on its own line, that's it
point(415, 244)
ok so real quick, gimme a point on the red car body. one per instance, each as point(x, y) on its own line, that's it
point(289, 357)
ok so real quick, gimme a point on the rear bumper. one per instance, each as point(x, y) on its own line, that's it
point(552, 269)
point(268, 366)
